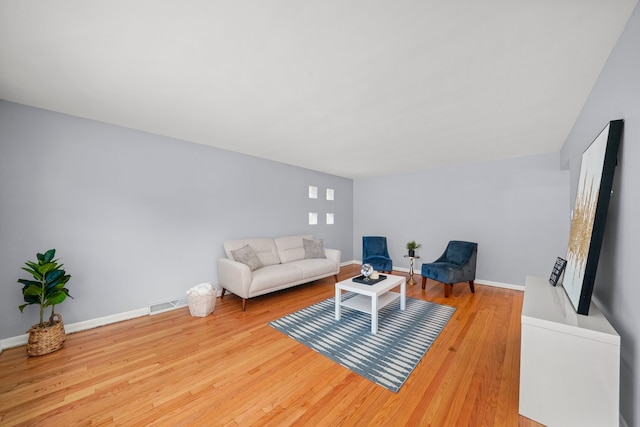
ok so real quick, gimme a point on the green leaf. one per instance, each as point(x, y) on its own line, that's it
point(40, 257)
point(46, 268)
point(32, 299)
point(56, 298)
point(34, 273)
point(58, 282)
point(33, 270)
point(50, 291)
point(54, 275)
point(55, 284)
point(48, 256)
point(33, 290)
point(33, 265)
point(22, 307)
point(29, 282)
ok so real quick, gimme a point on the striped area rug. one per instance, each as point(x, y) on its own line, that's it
point(386, 358)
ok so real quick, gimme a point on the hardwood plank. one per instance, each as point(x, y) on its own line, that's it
point(231, 368)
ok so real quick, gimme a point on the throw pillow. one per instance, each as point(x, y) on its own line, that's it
point(247, 255)
point(313, 249)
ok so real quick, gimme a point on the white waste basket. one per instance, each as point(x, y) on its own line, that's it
point(202, 299)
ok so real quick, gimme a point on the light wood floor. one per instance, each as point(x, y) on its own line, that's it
point(231, 368)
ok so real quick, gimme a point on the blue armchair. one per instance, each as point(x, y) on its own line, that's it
point(457, 264)
point(374, 252)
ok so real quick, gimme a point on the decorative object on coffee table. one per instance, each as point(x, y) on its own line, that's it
point(411, 248)
point(366, 270)
point(371, 280)
point(46, 290)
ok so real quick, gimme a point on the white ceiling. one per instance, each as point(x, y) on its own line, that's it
point(351, 88)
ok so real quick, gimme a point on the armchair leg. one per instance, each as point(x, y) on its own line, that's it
point(447, 289)
point(222, 293)
point(424, 282)
point(473, 290)
point(335, 277)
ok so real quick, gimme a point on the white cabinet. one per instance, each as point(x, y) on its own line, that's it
point(569, 363)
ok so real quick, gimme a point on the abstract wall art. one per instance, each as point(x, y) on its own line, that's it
point(589, 215)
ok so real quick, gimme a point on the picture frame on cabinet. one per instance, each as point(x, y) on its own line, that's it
point(557, 271)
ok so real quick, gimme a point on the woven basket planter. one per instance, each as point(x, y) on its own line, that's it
point(46, 339)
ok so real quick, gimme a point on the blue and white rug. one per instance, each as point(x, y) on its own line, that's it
point(386, 358)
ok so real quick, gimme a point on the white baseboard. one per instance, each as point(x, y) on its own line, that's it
point(106, 320)
point(100, 321)
point(14, 341)
point(79, 326)
point(500, 285)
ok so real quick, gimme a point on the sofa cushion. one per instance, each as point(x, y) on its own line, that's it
point(265, 249)
point(315, 267)
point(247, 255)
point(313, 249)
point(275, 276)
point(291, 248)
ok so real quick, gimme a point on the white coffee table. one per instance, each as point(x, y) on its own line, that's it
point(371, 298)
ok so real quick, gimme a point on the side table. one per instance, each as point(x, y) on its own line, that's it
point(411, 259)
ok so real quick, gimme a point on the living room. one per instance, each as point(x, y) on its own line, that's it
point(139, 217)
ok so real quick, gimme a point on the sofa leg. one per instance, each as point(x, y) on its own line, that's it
point(335, 277)
point(424, 282)
point(473, 290)
point(222, 293)
point(244, 304)
point(447, 289)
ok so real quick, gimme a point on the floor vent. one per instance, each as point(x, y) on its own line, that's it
point(161, 307)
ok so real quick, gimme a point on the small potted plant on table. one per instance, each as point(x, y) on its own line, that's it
point(46, 289)
point(412, 246)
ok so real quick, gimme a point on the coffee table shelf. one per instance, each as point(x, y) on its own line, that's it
point(363, 303)
point(371, 298)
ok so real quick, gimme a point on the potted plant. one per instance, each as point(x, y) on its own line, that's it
point(412, 246)
point(45, 289)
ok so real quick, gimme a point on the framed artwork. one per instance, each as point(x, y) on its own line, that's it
point(590, 214)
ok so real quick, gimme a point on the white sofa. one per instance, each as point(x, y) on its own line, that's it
point(284, 265)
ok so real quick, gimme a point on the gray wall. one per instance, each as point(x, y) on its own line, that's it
point(516, 210)
point(616, 95)
point(137, 218)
